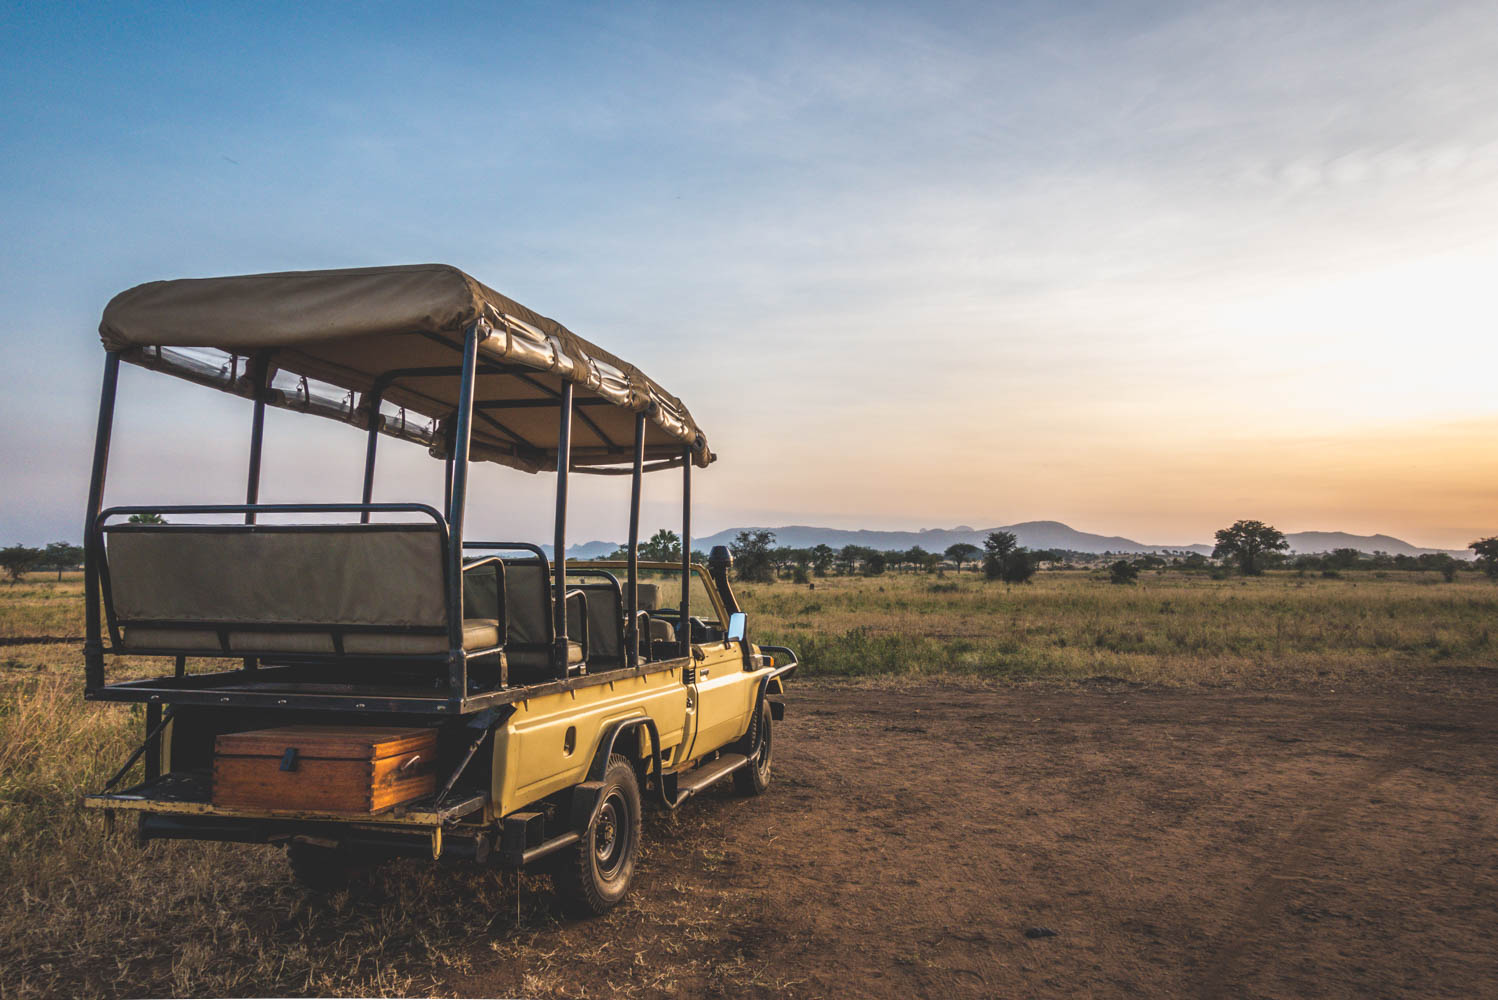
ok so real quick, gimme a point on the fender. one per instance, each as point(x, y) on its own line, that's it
point(771, 682)
point(587, 795)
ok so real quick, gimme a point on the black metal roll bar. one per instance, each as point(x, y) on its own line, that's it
point(450, 521)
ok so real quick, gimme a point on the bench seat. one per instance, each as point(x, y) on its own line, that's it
point(478, 633)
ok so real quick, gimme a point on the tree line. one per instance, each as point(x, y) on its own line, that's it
point(1249, 546)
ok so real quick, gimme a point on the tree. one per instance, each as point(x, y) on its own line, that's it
point(963, 552)
point(61, 556)
point(822, 558)
point(1019, 567)
point(1343, 559)
point(663, 546)
point(1487, 555)
point(752, 557)
point(1250, 543)
point(847, 559)
point(147, 519)
point(874, 562)
point(1123, 571)
point(17, 560)
point(998, 546)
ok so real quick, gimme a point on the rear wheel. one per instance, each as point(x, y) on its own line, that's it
point(754, 778)
point(595, 875)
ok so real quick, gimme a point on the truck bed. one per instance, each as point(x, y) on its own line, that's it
point(305, 686)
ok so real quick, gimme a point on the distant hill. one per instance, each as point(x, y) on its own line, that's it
point(1326, 541)
point(1031, 534)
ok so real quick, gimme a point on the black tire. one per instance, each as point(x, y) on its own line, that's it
point(320, 869)
point(755, 778)
point(594, 876)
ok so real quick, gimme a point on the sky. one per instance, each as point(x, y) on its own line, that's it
point(1143, 268)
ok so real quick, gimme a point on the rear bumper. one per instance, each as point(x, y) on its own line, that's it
point(186, 798)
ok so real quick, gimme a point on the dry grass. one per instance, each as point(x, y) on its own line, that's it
point(87, 913)
point(40, 606)
point(1277, 631)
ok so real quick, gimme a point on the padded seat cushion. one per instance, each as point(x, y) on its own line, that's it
point(649, 595)
point(478, 633)
point(540, 659)
point(662, 630)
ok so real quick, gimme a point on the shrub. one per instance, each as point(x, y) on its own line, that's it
point(1123, 571)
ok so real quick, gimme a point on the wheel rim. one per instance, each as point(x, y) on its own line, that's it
point(763, 764)
point(611, 835)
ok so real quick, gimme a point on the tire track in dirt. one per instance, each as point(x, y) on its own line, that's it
point(1268, 900)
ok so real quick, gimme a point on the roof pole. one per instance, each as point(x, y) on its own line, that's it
point(372, 405)
point(686, 551)
point(259, 368)
point(632, 632)
point(457, 664)
point(559, 541)
point(93, 539)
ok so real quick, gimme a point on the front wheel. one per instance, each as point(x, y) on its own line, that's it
point(754, 778)
point(595, 875)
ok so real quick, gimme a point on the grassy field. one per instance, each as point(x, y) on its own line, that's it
point(89, 913)
point(1279, 630)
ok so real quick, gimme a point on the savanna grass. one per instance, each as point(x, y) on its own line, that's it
point(88, 913)
point(1278, 630)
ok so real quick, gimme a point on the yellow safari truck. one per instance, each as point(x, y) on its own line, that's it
point(360, 681)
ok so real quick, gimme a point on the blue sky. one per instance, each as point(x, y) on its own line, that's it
point(1144, 268)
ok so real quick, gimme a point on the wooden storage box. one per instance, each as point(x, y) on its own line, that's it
point(352, 769)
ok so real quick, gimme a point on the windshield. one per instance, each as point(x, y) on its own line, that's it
point(668, 584)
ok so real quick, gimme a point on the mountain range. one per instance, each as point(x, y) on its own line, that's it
point(1031, 534)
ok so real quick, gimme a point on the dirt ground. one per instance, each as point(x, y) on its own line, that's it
point(1100, 843)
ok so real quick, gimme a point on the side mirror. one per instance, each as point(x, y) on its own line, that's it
point(736, 623)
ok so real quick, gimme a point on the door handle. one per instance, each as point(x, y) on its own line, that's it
point(704, 672)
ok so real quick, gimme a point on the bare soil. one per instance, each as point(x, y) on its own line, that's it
point(1105, 842)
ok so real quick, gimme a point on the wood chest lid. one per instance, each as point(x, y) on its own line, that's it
point(328, 742)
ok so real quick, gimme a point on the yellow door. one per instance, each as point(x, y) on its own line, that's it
point(724, 691)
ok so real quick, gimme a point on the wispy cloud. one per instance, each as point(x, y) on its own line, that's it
point(931, 242)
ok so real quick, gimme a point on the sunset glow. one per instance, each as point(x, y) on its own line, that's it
point(1143, 271)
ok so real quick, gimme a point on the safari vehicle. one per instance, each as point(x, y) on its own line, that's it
point(357, 681)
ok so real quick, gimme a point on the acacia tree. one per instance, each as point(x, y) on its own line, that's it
point(62, 556)
point(1487, 555)
point(997, 548)
point(16, 560)
point(822, 558)
point(753, 559)
point(1249, 542)
point(963, 552)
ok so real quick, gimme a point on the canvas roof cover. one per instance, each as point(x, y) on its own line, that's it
point(348, 327)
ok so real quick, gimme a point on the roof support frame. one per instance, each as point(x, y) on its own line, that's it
point(457, 663)
point(632, 635)
point(559, 539)
point(93, 644)
point(567, 388)
point(686, 552)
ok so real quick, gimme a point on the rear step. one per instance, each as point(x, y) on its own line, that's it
point(696, 780)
